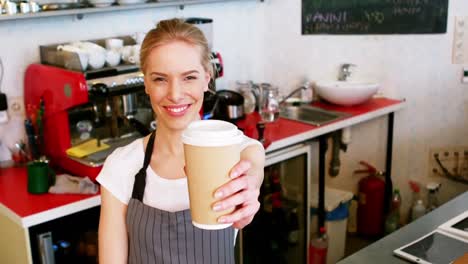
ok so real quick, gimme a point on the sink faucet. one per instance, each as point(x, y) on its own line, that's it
point(305, 85)
point(345, 71)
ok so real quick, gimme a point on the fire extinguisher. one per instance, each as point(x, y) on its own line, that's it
point(370, 212)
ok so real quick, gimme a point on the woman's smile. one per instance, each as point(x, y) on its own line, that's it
point(177, 110)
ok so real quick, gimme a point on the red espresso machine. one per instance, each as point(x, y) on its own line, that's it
point(68, 94)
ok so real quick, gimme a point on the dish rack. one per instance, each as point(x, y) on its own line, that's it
point(50, 55)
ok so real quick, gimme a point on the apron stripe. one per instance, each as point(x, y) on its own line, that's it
point(135, 232)
point(146, 235)
point(173, 242)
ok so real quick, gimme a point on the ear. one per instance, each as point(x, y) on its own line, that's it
point(146, 83)
point(207, 81)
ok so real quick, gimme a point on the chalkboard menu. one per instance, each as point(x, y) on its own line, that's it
point(374, 16)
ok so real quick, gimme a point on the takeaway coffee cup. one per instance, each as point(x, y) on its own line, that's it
point(211, 149)
point(40, 177)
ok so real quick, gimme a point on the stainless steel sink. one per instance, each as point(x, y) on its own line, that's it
point(311, 115)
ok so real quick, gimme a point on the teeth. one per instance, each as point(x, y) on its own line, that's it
point(177, 109)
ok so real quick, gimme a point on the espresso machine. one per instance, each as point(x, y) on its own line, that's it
point(109, 106)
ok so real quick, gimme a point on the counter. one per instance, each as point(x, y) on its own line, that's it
point(20, 210)
point(382, 250)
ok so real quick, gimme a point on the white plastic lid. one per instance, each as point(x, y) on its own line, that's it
point(211, 133)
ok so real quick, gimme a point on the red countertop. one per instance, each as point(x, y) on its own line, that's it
point(15, 196)
point(13, 181)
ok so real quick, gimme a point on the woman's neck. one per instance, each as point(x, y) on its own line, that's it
point(169, 141)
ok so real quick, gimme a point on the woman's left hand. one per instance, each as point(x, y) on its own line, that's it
point(241, 193)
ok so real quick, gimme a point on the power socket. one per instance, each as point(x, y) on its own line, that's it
point(16, 107)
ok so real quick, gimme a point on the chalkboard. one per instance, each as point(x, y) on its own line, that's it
point(374, 16)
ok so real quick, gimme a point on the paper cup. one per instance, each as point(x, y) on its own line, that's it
point(211, 148)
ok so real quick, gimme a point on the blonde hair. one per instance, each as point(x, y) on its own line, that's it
point(176, 29)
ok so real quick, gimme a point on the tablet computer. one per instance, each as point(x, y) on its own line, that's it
point(437, 247)
point(457, 225)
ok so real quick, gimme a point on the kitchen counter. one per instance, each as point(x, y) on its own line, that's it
point(382, 250)
point(20, 210)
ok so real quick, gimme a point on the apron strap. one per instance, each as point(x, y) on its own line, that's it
point(140, 177)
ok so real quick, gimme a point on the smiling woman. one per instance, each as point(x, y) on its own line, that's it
point(145, 215)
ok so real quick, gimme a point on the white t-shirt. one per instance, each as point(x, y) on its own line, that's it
point(120, 168)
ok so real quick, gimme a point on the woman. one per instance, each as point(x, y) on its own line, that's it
point(151, 223)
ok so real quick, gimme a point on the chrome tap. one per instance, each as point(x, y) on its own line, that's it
point(345, 71)
point(305, 85)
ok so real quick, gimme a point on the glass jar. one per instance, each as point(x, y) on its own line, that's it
point(245, 88)
point(269, 103)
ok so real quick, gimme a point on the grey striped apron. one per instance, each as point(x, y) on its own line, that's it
point(157, 236)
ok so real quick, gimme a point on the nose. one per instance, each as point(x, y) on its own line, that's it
point(175, 92)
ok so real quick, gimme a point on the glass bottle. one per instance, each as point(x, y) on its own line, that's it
point(269, 104)
point(392, 222)
point(432, 199)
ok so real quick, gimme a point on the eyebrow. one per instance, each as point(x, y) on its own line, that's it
point(165, 75)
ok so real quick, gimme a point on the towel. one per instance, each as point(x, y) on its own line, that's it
point(87, 148)
point(66, 183)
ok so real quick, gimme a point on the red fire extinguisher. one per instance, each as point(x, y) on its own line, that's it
point(370, 211)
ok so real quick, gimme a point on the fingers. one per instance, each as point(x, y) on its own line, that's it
point(232, 187)
point(239, 198)
point(244, 214)
point(240, 168)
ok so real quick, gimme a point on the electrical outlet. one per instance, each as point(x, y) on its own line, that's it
point(454, 160)
point(16, 107)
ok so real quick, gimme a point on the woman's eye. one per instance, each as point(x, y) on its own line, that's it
point(159, 79)
point(191, 77)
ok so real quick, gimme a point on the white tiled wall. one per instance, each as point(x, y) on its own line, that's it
point(262, 42)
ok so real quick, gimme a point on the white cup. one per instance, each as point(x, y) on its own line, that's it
point(112, 58)
point(114, 44)
point(139, 37)
point(82, 55)
point(97, 59)
point(126, 52)
point(25, 7)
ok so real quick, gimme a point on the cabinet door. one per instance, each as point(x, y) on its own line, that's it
point(73, 237)
point(278, 233)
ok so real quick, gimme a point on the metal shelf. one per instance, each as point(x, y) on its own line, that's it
point(80, 12)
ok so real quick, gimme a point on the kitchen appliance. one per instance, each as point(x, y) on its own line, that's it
point(230, 106)
point(280, 232)
point(205, 25)
point(81, 106)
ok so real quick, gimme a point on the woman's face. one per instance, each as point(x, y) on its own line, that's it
point(175, 81)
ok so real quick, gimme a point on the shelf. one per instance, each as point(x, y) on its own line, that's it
point(80, 12)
